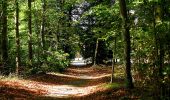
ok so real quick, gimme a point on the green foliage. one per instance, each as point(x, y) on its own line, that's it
point(97, 19)
point(57, 61)
point(113, 85)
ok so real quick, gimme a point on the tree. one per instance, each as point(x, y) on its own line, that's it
point(96, 49)
point(0, 28)
point(43, 25)
point(127, 48)
point(30, 33)
point(4, 38)
point(17, 38)
point(113, 60)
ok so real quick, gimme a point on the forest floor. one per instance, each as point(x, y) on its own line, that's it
point(75, 83)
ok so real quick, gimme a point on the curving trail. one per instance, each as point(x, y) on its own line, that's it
point(73, 82)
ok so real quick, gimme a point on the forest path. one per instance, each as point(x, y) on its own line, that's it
point(73, 82)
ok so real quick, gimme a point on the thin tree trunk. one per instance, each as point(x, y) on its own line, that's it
point(155, 40)
point(115, 50)
point(56, 38)
point(113, 61)
point(95, 54)
point(17, 38)
point(30, 33)
point(161, 42)
point(43, 25)
point(0, 35)
point(4, 38)
point(162, 51)
point(126, 32)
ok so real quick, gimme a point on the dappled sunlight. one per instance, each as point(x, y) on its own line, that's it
point(69, 90)
point(73, 82)
point(84, 50)
point(90, 71)
point(81, 76)
point(39, 88)
point(63, 79)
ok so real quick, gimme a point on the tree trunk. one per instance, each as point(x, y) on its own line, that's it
point(161, 40)
point(155, 40)
point(0, 36)
point(95, 54)
point(4, 39)
point(30, 33)
point(17, 39)
point(162, 51)
point(113, 61)
point(126, 32)
point(43, 25)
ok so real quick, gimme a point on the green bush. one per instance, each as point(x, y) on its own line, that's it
point(56, 61)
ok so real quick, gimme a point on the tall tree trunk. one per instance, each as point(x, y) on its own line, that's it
point(161, 41)
point(0, 37)
point(162, 50)
point(17, 38)
point(4, 40)
point(126, 32)
point(95, 54)
point(30, 33)
point(155, 39)
point(113, 60)
point(43, 25)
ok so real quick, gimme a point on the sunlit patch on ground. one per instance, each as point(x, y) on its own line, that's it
point(50, 90)
point(69, 91)
point(82, 76)
point(74, 82)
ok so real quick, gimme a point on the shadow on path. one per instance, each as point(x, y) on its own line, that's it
point(75, 82)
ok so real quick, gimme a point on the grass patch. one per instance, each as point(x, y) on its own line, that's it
point(119, 72)
point(113, 85)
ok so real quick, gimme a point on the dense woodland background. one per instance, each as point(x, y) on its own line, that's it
point(40, 36)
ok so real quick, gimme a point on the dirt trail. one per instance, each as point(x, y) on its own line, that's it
point(73, 82)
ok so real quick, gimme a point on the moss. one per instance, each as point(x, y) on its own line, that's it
point(113, 85)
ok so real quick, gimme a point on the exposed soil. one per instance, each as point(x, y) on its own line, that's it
point(76, 83)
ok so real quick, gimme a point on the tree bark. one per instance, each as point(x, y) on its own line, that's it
point(95, 54)
point(4, 40)
point(113, 60)
point(0, 35)
point(30, 33)
point(17, 38)
point(161, 41)
point(126, 32)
